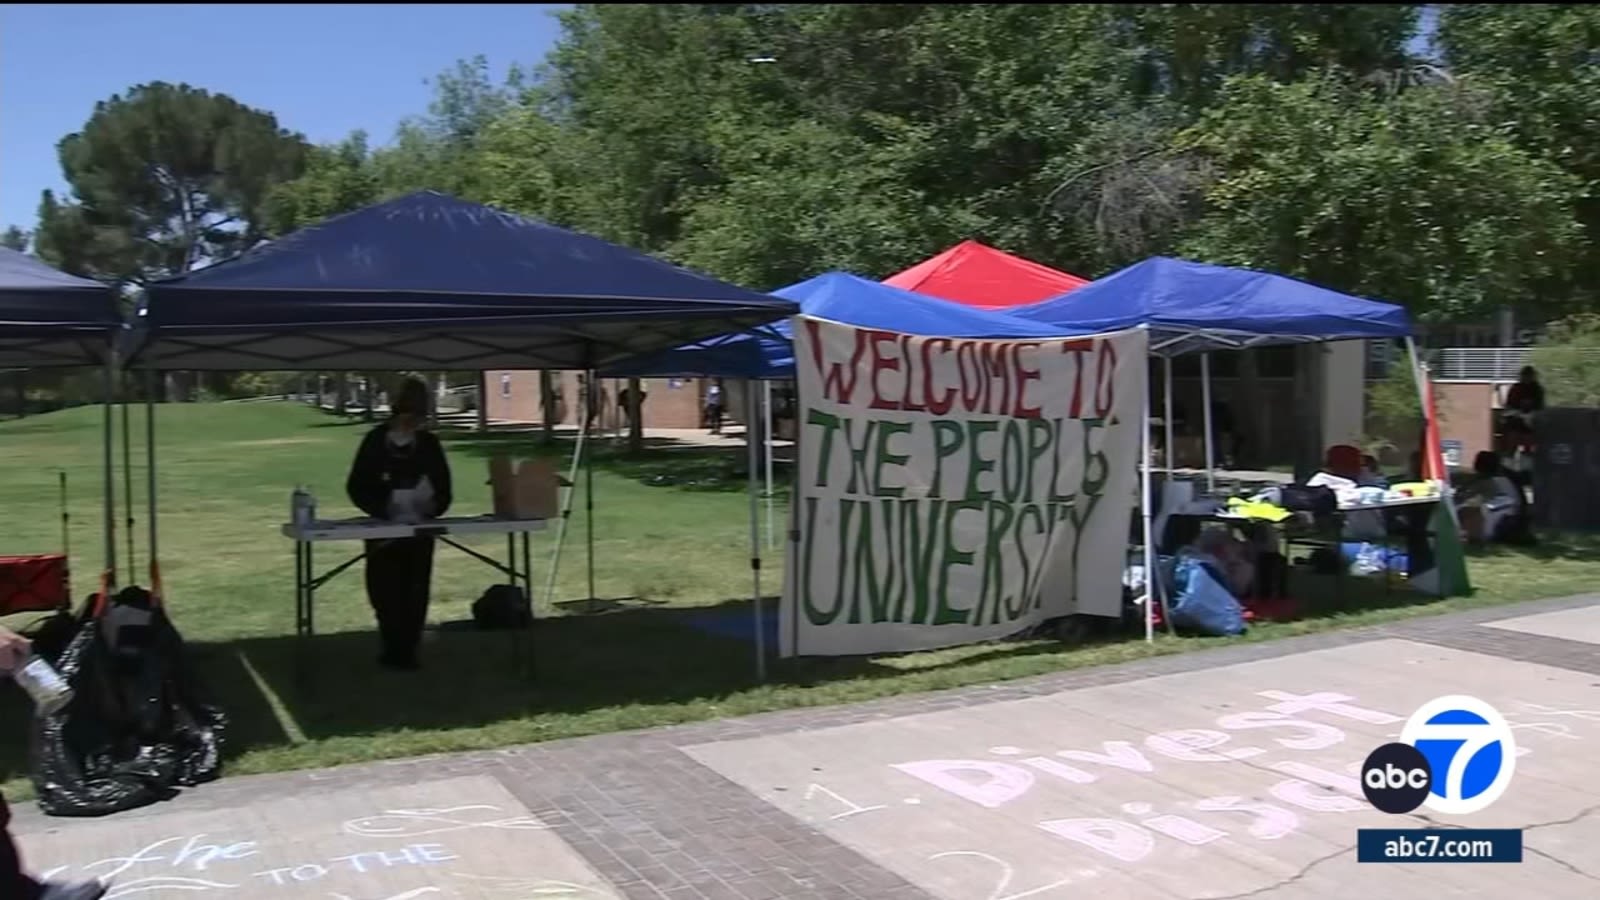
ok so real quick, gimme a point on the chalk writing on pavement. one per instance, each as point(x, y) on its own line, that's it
point(1002, 775)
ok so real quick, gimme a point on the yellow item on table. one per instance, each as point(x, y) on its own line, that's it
point(1257, 509)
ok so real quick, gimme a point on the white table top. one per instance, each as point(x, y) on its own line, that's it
point(379, 529)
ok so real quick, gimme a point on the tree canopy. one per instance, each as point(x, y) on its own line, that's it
point(765, 143)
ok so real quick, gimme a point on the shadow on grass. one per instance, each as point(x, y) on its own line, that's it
point(620, 663)
point(1551, 546)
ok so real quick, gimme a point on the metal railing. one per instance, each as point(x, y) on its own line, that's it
point(1476, 363)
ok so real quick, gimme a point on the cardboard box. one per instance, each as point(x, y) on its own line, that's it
point(529, 490)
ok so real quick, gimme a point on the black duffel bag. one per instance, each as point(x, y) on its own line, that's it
point(1319, 500)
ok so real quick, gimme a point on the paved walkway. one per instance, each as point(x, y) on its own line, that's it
point(1219, 773)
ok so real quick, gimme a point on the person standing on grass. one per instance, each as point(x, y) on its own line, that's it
point(401, 474)
point(714, 407)
point(14, 885)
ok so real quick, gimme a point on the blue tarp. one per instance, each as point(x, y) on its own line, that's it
point(50, 318)
point(1192, 307)
point(839, 297)
point(430, 281)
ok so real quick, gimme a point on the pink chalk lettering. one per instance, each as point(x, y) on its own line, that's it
point(1060, 770)
point(1114, 838)
point(1334, 704)
point(1187, 830)
point(1192, 744)
point(1347, 784)
point(1306, 795)
point(1118, 753)
point(1317, 735)
point(1271, 822)
point(1001, 782)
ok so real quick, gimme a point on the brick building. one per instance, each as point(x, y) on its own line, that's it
point(669, 402)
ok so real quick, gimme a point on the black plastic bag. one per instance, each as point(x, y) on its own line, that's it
point(137, 728)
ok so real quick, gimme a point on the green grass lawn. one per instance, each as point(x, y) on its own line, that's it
point(671, 535)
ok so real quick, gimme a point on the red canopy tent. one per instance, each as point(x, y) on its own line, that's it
point(973, 274)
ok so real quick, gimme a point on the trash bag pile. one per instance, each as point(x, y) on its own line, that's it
point(138, 728)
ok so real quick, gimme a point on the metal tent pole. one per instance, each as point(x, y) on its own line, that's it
point(1166, 414)
point(109, 476)
point(755, 543)
point(127, 479)
point(1205, 400)
point(766, 428)
point(150, 479)
point(566, 513)
point(588, 506)
point(1148, 515)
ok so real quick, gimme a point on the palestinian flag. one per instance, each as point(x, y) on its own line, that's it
point(1448, 577)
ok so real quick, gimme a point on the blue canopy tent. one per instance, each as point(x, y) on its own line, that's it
point(1192, 307)
point(428, 281)
point(431, 282)
point(768, 353)
point(49, 319)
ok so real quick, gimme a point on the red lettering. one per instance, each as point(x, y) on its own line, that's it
point(906, 402)
point(936, 405)
point(881, 363)
point(1105, 393)
point(972, 379)
point(834, 384)
point(1078, 347)
point(994, 365)
point(1021, 375)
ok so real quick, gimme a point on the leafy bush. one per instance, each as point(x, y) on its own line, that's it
point(1568, 360)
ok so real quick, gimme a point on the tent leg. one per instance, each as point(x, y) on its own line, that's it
point(566, 516)
point(109, 476)
point(127, 477)
point(766, 429)
point(1205, 401)
point(1166, 413)
point(755, 540)
point(150, 479)
point(1147, 514)
point(588, 507)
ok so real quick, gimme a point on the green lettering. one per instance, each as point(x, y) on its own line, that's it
point(887, 430)
point(976, 464)
point(1040, 439)
point(864, 566)
point(1055, 469)
point(921, 538)
point(858, 459)
point(808, 541)
point(847, 508)
point(1013, 470)
point(1029, 579)
point(944, 613)
point(947, 439)
point(998, 529)
point(830, 424)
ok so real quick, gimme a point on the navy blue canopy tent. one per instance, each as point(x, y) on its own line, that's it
point(1194, 307)
point(428, 281)
point(50, 318)
point(768, 353)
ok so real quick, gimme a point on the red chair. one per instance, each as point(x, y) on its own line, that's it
point(34, 583)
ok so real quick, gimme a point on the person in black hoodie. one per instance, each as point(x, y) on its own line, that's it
point(400, 473)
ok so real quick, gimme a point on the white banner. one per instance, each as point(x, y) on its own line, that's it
point(952, 490)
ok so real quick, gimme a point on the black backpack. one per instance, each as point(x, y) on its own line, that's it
point(502, 607)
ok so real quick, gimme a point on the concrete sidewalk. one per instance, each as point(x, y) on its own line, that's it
point(1220, 773)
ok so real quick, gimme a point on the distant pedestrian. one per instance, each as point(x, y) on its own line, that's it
point(714, 408)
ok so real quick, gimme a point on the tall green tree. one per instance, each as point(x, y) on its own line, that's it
point(1541, 61)
point(164, 178)
point(15, 238)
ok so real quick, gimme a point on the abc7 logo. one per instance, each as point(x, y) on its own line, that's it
point(1456, 754)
